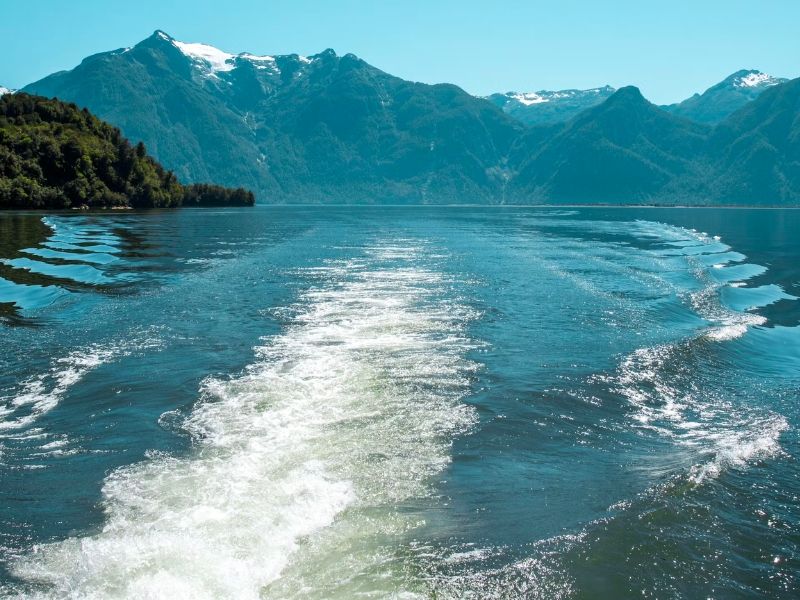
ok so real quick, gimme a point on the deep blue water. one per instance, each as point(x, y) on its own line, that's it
point(400, 402)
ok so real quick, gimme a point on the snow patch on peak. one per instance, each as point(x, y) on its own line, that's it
point(542, 96)
point(261, 63)
point(529, 98)
point(211, 60)
point(756, 79)
point(254, 58)
point(5, 90)
point(215, 59)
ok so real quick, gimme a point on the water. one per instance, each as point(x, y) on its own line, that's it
point(398, 402)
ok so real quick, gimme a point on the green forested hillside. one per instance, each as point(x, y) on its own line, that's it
point(756, 151)
point(55, 155)
point(625, 150)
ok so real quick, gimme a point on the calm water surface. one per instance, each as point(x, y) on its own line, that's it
point(396, 402)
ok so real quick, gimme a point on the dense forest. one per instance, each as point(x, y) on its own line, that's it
point(54, 155)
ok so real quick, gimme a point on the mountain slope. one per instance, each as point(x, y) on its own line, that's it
point(54, 155)
point(149, 92)
point(726, 97)
point(546, 107)
point(624, 151)
point(323, 128)
point(757, 150)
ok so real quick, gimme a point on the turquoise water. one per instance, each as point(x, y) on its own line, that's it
point(397, 402)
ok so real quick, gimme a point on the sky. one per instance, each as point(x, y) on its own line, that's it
point(668, 49)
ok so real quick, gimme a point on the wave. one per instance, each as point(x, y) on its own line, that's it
point(24, 405)
point(301, 461)
point(41, 393)
point(666, 384)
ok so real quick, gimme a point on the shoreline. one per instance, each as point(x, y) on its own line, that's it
point(131, 210)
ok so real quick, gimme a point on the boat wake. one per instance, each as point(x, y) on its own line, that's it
point(671, 387)
point(302, 463)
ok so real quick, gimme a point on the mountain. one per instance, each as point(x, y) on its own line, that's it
point(756, 150)
point(55, 155)
point(323, 128)
point(625, 150)
point(5, 90)
point(546, 108)
point(333, 129)
point(725, 98)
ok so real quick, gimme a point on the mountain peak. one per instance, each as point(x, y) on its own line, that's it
point(755, 79)
point(210, 60)
point(159, 35)
point(726, 97)
point(750, 78)
point(5, 90)
point(628, 94)
point(327, 53)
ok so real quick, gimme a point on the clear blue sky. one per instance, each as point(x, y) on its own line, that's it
point(668, 49)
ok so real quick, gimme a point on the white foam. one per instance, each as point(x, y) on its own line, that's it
point(720, 435)
point(661, 388)
point(41, 393)
point(736, 447)
point(300, 461)
point(730, 332)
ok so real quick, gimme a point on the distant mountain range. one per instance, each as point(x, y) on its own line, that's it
point(5, 90)
point(545, 107)
point(712, 106)
point(334, 129)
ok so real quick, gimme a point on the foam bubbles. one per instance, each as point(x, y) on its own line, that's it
point(666, 387)
point(299, 463)
point(41, 393)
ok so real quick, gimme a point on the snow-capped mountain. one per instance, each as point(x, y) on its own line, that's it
point(547, 107)
point(5, 90)
point(320, 128)
point(726, 97)
point(334, 129)
point(212, 62)
point(754, 79)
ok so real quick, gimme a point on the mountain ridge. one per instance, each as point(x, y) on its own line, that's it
point(263, 128)
point(334, 129)
point(546, 107)
point(726, 97)
point(623, 149)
